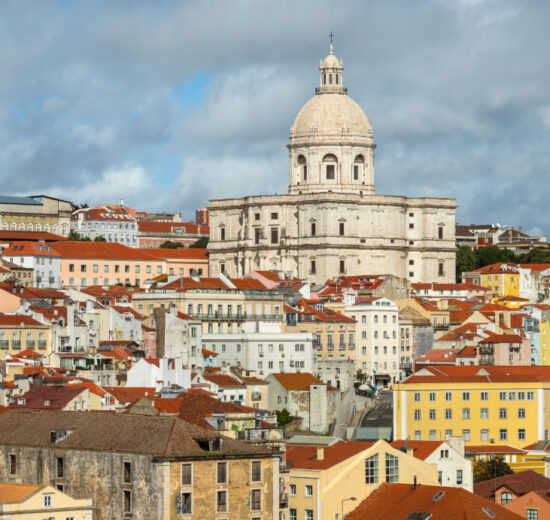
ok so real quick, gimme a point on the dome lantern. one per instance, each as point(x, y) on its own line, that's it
point(331, 74)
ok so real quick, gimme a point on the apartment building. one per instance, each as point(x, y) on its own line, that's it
point(377, 330)
point(41, 258)
point(111, 222)
point(177, 470)
point(323, 479)
point(482, 404)
point(18, 333)
point(334, 333)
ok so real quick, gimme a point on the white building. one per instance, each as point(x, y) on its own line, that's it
point(263, 353)
point(377, 353)
point(332, 221)
point(113, 223)
point(159, 373)
point(45, 262)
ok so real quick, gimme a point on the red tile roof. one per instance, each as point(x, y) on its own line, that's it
point(491, 448)
point(57, 396)
point(469, 351)
point(189, 284)
point(101, 250)
point(28, 353)
point(9, 236)
point(250, 284)
point(206, 352)
point(17, 320)
point(421, 449)
point(520, 483)
point(439, 355)
point(182, 253)
point(222, 379)
point(496, 373)
point(502, 338)
point(397, 501)
point(30, 249)
point(300, 381)
point(448, 287)
point(129, 394)
point(305, 457)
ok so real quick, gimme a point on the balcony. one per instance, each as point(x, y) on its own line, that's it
point(351, 346)
point(256, 396)
point(486, 349)
point(342, 346)
point(16, 343)
point(4, 343)
point(30, 343)
point(41, 343)
point(405, 365)
point(330, 346)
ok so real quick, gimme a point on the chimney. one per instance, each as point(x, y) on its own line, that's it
point(410, 452)
point(320, 453)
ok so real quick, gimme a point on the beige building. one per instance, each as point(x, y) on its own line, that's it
point(36, 213)
point(30, 502)
point(323, 480)
point(18, 333)
point(332, 221)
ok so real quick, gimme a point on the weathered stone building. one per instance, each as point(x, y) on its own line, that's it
point(140, 467)
point(332, 221)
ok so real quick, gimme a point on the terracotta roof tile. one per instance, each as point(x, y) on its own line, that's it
point(11, 493)
point(421, 449)
point(521, 483)
point(305, 457)
point(300, 381)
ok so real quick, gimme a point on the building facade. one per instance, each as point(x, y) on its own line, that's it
point(332, 221)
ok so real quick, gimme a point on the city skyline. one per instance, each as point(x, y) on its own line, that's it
point(169, 110)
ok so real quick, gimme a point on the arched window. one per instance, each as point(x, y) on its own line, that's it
point(64, 229)
point(21, 227)
point(324, 79)
point(358, 167)
point(29, 227)
point(47, 228)
point(5, 226)
point(302, 165)
point(13, 226)
point(330, 162)
point(55, 228)
point(337, 80)
point(38, 227)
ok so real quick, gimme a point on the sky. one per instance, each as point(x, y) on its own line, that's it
point(173, 103)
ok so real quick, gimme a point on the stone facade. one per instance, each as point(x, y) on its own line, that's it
point(331, 221)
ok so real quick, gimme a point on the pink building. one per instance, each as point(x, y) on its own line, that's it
point(504, 349)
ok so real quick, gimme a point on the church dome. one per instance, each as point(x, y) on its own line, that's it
point(331, 114)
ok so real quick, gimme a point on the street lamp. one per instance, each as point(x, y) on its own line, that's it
point(353, 499)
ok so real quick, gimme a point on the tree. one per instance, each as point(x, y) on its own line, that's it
point(200, 243)
point(283, 417)
point(491, 468)
point(465, 261)
point(73, 235)
point(171, 245)
point(100, 238)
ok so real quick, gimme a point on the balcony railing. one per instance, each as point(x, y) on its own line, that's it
point(16, 343)
point(351, 346)
point(30, 343)
point(342, 346)
point(4, 343)
point(41, 343)
point(330, 346)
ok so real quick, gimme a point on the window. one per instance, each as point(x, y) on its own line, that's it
point(257, 216)
point(466, 435)
point(417, 415)
point(274, 235)
point(484, 396)
point(459, 477)
point(308, 491)
point(256, 503)
point(440, 232)
point(503, 434)
point(465, 413)
point(448, 396)
point(221, 502)
point(484, 435)
point(48, 500)
point(187, 474)
point(465, 396)
point(186, 504)
point(484, 413)
point(341, 229)
point(511, 396)
point(432, 435)
point(417, 435)
point(313, 229)
point(371, 470)
point(274, 216)
point(530, 396)
point(293, 514)
point(532, 514)
point(521, 434)
point(392, 468)
point(13, 464)
point(292, 489)
point(222, 233)
point(441, 269)
point(432, 415)
point(71, 268)
point(330, 172)
point(342, 266)
point(417, 396)
point(505, 497)
point(221, 475)
point(503, 413)
point(312, 268)
point(309, 514)
point(59, 462)
point(432, 396)
point(448, 413)
point(443, 454)
point(257, 235)
point(256, 471)
point(127, 495)
point(502, 396)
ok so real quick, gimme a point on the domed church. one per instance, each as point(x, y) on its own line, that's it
point(332, 222)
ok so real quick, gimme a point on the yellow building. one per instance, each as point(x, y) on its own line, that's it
point(18, 333)
point(325, 481)
point(544, 342)
point(38, 502)
point(518, 459)
point(501, 405)
point(501, 279)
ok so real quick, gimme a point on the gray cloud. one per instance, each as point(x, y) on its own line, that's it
point(457, 93)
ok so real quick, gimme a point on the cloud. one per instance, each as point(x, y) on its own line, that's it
point(91, 98)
